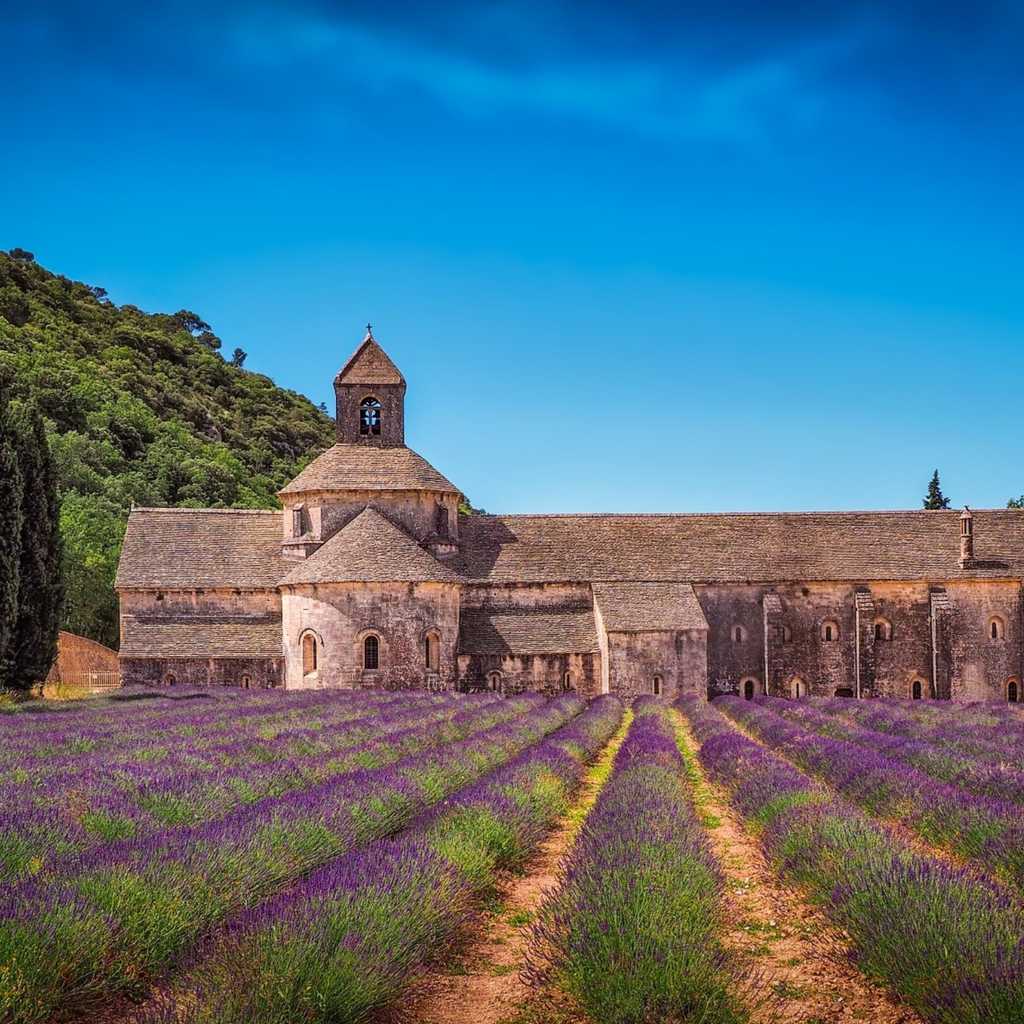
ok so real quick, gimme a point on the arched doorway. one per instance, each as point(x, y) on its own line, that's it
point(1013, 691)
point(494, 681)
point(915, 690)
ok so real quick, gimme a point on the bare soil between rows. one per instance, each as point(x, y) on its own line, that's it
point(791, 956)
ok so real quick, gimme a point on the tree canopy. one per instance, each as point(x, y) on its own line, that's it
point(935, 499)
point(138, 407)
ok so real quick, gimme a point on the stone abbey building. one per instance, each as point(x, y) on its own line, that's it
point(372, 577)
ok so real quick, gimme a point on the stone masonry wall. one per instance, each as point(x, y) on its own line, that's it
point(341, 614)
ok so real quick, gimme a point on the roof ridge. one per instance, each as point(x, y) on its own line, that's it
point(207, 511)
point(763, 515)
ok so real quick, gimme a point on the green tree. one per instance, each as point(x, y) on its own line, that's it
point(92, 529)
point(10, 533)
point(33, 646)
point(238, 358)
point(1016, 502)
point(935, 499)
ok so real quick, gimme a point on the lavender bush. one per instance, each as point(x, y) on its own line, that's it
point(115, 917)
point(342, 944)
point(632, 931)
point(951, 946)
point(988, 831)
point(938, 759)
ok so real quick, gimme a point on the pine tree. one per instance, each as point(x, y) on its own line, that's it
point(33, 645)
point(935, 499)
point(10, 534)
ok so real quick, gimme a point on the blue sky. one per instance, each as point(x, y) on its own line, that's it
point(629, 257)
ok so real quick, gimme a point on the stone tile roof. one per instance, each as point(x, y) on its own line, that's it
point(755, 547)
point(370, 548)
point(527, 631)
point(369, 468)
point(191, 549)
point(201, 637)
point(645, 607)
point(369, 364)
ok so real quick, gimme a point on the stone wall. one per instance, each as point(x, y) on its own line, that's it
point(341, 615)
point(537, 673)
point(416, 512)
point(678, 659)
point(247, 673)
point(882, 641)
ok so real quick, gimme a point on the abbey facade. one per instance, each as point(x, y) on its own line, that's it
point(371, 576)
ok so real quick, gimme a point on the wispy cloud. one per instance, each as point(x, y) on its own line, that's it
point(746, 103)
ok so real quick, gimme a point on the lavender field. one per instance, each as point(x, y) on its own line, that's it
point(327, 857)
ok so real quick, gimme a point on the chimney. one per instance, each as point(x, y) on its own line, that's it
point(966, 538)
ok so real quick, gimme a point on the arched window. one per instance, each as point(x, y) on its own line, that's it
point(739, 634)
point(371, 652)
point(797, 688)
point(829, 630)
point(298, 520)
point(170, 679)
point(748, 689)
point(369, 417)
point(785, 634)
point(915, 690)
point(432, 651)
point(656, 686)
point(310, 654)
point(996, 628)
point(494, 681)
point(246, 682)
point(883, 629)
point(1012, 691)
point(568, 681)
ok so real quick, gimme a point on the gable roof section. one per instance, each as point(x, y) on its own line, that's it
point(198, 637)
point(740, 547)
point(369, 364)
point(370, 549)
point(648, 607)
point(527, 631)
point(198, 549)
point(358, 467)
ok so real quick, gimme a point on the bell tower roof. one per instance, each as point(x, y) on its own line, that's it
point(369, 365)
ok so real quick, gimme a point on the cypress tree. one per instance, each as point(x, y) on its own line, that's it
point(10, 535)
point(935, 499)
point(33, 646)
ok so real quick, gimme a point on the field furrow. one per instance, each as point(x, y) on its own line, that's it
point(342, 943)
point(951, 947)
point(986, 831)
point(119, 917)
point(632, 933)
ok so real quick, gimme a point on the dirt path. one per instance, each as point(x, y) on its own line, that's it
point(785, 944)
point(482, 983)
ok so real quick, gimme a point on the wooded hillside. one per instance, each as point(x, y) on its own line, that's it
point(139, 407)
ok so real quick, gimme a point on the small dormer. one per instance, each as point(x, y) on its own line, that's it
point(370, 395)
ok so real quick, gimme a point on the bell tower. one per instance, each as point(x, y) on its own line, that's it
point(370, 395)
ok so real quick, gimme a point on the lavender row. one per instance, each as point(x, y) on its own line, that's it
point(998, 781)
point(342, 945)
point(118, 917)
point(375, 754)
point(992, 737)
point(952, 948)
point(990, 832)
point(632, 930)
point(64, 740)
point(131, 800)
